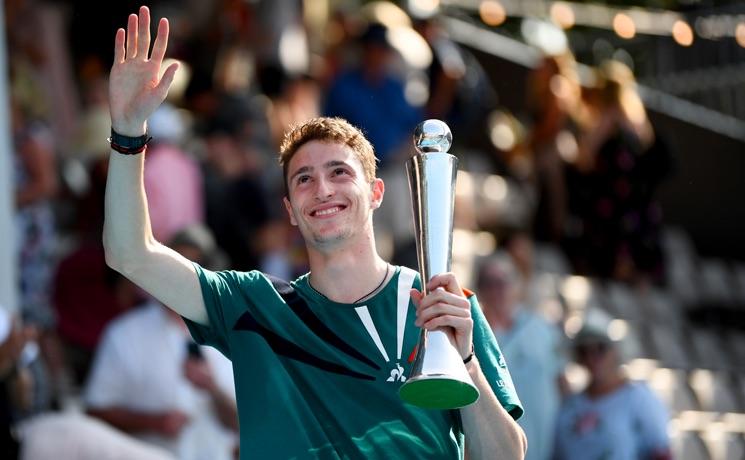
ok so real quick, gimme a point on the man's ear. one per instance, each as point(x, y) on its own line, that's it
point(290, 212)
point(378, 190)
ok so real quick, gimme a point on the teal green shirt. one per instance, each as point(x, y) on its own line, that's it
point(318, 379)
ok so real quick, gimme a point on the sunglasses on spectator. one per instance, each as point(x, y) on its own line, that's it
point(591, 349)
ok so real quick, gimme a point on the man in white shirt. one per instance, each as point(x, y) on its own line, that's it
point(150, 380)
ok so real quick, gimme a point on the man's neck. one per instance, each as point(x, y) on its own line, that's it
point(347, 275)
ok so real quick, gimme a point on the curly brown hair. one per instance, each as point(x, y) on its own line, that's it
point(332, 130)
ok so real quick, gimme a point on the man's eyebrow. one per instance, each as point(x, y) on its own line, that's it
point(334, 163)
point(327, 165)
point(301, 170)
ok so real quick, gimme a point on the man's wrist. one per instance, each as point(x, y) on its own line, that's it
point(130, 130)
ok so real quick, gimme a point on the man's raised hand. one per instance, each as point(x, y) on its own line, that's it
point(135, 86)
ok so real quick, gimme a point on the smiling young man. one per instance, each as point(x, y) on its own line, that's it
point(317, 362)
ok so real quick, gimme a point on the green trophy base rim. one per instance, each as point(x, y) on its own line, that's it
point(438, 392)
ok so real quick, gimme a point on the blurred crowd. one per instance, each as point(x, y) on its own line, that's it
point(585, 158)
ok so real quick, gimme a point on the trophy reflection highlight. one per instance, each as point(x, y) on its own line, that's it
point(438, 379)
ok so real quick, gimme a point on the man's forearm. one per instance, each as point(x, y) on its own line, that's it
point(128, 420)
point(491, 433)
point(127, 229)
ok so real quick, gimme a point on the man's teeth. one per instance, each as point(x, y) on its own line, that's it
point(326, 212)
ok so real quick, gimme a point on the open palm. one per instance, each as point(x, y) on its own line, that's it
point(135, 88)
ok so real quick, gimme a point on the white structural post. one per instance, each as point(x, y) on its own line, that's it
point(8, 284)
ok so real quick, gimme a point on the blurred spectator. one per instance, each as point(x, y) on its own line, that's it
point(173, 180)
point(297, 99)
point(530, 345)
point(373, 99)
point(27, 435)
point(16, 350)
point(460, 93)
point(613, 417)
point(35, 189)
point(616, 220)
point(233, 174)
point(151, 380)
point(36, 186)
point(553, 101)
point(73, 436)
point(87, 295)
point(339, 50)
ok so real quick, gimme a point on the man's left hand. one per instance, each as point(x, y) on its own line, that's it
point(445, 308)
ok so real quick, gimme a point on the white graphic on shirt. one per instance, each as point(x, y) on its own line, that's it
point(367, 321)
point(397, 374)
point(405, 282)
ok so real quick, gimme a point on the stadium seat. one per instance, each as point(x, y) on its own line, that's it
point(707, 349)
point(623, 301)
point(671, 386)
point(715, 391)
point(670, 345)
point(717, 282)
point(688, 445)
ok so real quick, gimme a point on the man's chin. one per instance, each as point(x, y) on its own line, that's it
point(328, 240)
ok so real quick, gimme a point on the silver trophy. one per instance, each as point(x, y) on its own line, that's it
point(438, 379)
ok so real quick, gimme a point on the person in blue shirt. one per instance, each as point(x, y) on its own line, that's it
point(372, 97)
point(613, 418)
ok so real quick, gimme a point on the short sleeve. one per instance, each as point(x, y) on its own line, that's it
point(651, 421)
point(108, 382)
point(492, 362)
point(225, 298)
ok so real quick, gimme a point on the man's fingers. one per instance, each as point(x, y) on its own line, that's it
point(456, 322)
point(446, 281)
point(426, 314)
point(119, 46)
point(132, 36)
point(143, 36)
point(443, 296)
point(416, 297)
point(161, 41)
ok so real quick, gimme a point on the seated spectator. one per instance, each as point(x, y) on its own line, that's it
point(149, 379)
point(15, 341)
point(530, 345)
point(613, 417)
point(87, 295)
point(74, 436)
point(28, 436)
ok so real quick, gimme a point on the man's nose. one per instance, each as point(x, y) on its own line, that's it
point(324, 189)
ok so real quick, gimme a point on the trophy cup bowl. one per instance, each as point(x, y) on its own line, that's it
point(438, 379)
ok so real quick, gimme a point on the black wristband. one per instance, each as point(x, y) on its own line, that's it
point(468, 358)
point(128, 145)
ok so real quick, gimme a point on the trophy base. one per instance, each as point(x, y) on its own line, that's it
point(438, 392)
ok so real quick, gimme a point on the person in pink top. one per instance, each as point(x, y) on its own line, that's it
point(173, 180)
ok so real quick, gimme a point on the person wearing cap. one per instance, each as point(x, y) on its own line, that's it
point(613, 418)
point(318, 362)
